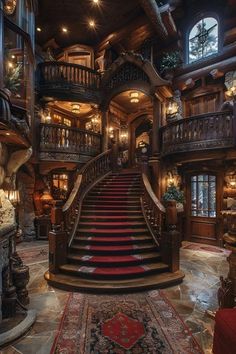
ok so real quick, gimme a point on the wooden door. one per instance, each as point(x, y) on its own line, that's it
point(202, 208)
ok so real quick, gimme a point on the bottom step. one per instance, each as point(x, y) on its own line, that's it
point(73, 283)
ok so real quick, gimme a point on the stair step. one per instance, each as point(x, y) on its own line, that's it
point(112, 231)
point(109, 224)
point(114, 250)
point(112, 198)
point(121, 218)
point(110, 261)
point(117, 212)
point(115, 272)
point(111, 202)
point(106, 241)
point(125, 207)
point(76, 283)
point(115, 193)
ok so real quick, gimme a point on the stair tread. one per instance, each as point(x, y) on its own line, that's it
point(113, 239)
point(114, 231)
point(112, 223)
point(115, 270)
point(115, 258)
point(113, 248)
point(115, 217)
point(75, 283)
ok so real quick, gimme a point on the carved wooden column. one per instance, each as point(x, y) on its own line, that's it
point(1, 45)
point(154, 161)
point(105, 116)
point(132, 145)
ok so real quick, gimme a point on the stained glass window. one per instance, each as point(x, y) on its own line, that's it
point(203, 39)
point(203, 195)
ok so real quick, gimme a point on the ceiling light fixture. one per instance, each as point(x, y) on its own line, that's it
point(75, 108)
point(92, 23)
point(96, 1)
point(64, 29)
point(134, 97)
point(39, 29)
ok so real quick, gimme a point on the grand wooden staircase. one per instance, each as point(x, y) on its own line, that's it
point(112, 248)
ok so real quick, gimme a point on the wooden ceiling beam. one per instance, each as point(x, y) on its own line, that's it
point(153, 13)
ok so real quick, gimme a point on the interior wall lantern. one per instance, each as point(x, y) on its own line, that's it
point(111, 132)
point(134, 97)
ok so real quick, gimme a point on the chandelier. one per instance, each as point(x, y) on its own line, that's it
point(75, 108)
point(134, 97)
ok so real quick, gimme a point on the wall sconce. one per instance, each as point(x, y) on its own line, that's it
point(172, 109)
point(124, 136)
point(170, 179)
point(231, 181)
point(231, 92)
point(111, 133)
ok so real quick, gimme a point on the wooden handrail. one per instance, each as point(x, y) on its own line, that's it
point(153, 210)
point(88, 175)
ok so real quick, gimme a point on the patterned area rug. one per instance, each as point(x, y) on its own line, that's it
point(204, 248)
point(34, 255)
point(128, 324)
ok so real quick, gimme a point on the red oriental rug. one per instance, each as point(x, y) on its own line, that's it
point(143, 323)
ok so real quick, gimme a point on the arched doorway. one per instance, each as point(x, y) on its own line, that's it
point(128, 119)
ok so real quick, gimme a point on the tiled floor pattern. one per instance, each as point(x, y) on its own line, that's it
point(197, 293)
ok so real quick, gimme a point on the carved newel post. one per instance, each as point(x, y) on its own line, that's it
point(227, 291)
point(171, 239)
point(57, 238)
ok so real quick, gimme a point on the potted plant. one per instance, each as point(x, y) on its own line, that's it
point(169, 62)
point(174, 193)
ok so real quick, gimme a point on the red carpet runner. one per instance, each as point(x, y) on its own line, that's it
point(144, 323)
point(112, 240)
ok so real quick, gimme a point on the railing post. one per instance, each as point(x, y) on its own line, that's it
point(171, 238)
point(57, 239)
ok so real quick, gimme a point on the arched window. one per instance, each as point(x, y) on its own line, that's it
point(203, 39)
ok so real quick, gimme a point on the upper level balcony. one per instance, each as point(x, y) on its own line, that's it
point(67, 81)
point(61, 143)
point(205, 132)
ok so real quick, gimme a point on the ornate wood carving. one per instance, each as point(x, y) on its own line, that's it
point(127, 72)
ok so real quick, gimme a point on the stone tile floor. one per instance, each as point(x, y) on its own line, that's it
point(191, 299)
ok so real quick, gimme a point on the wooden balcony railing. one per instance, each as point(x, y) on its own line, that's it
point(57, 78)
point(203, 132)
point(67, 142)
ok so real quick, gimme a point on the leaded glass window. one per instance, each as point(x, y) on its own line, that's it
point(203, 195)
point(203, 39)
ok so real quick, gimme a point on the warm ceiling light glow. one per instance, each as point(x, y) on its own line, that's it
point(64, 29)
point(134, 97)
point(39, 29)
point(13, 56)
point(96, 1)
point(92, 23)
point(75, 108)
point(7, 133)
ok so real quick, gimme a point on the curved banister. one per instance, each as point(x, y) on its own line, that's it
point(87, 176)
point(153, 211)
point(148, 188)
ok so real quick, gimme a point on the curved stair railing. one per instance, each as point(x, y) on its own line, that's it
point(161, 223)
point(153, 211)
point(65, 218)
